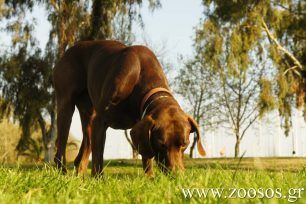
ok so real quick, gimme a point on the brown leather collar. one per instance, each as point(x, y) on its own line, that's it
point(149, 94)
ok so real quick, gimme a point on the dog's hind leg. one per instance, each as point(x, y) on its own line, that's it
point(69, 82)
point(65, 109)
point(99, 128)
point(85, 108)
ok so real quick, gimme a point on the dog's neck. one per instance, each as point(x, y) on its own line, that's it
point(151, 97)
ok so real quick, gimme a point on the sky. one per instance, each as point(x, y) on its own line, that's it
point(173, 25)
point(171, 28)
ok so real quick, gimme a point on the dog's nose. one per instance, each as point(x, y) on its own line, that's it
point(178, 167)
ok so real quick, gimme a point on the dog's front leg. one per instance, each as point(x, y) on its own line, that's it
point(97, 144)
point(147, 164)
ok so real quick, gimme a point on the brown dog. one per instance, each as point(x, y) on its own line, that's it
point(121, 87)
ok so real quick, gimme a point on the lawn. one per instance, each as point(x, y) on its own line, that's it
point(249, 180)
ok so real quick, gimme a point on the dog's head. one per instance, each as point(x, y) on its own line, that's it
point(165, 136)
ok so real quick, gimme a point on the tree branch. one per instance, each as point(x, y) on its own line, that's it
point(288, 9)
point(228, 106)
point(249, 125)
point(274, 40)
point(129, 140)
point(232, 88)
point(251, 93)
point(249, 115)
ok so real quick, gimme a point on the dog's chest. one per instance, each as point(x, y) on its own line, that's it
point(120, 117)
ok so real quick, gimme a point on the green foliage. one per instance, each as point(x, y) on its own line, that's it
point(210, 37)
point(26, 81)
point(266, 100)
point(26, 77)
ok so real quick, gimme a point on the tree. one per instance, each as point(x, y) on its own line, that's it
point(26, 78)
point(26, 81)
point(238, 100)
point(217, 97)
point(275, 26)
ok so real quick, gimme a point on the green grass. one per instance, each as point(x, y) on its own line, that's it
point(124, 182)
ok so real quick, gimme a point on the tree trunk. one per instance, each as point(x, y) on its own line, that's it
point(135, 154)
point(24, 141)
point(48, 153)
point(196, 116)
point(193, 145)
point(134, 151)
point(49, 144)
point(237, 147)
point(48, 137)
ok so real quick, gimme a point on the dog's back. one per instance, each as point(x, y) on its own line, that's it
point(91, 61)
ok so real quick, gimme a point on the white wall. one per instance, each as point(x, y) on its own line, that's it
point(264, 139)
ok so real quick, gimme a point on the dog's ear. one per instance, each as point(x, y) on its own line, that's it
point(195, 128)
point(141, 134)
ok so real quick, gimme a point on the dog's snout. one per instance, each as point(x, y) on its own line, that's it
point(171, 161)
